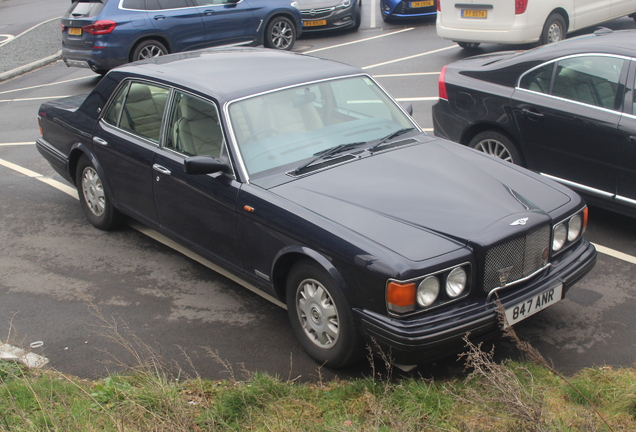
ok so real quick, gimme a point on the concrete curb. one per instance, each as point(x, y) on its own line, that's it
point(31, 66)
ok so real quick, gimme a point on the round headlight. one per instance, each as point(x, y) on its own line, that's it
point(456, 282)
point(560, 234)
point(574, 227)
point(428, 291)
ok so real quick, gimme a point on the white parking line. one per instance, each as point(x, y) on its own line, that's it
point(33, 99)
point(17, 144)
point(159, 237)
point(359, 40)
point(417, 99)
point(47, 85)
point(401, 75)
point(411, 57)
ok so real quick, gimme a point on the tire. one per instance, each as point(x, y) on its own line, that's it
point(148, 49)
point(358, 21)
point(321, 317)
point(554, 29)
point(468, 45)
point(93, 198)
point(498, 145)
point(280, 34)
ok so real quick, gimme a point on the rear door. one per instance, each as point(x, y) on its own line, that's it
point(568, 113)
point(179, 21)
point(227, 21)
point(589, 12)
point(626, 189)
point(476, 15)
point(620, 8)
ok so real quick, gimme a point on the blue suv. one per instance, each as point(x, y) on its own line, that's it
point(102, 34)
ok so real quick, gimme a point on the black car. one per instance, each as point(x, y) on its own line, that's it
point(308, 182)
point(566, 110)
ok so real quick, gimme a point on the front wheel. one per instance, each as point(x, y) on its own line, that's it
point(321, 317)
point(280, 34)
point(498, 145)
point(554, 29)
point(148, 49)
point(93, 198)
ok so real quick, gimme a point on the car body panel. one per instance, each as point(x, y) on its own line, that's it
point(566, 136)
point(398, 210)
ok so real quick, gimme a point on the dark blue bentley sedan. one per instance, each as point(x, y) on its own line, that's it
point(309, 183)
point(102, 34)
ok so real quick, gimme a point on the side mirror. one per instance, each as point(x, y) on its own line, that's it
point(203, 165)
point(408, 107)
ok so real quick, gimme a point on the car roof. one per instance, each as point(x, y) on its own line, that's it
point(232, 73)
point(602, 41)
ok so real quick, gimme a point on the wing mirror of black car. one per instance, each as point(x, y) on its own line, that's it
point(408, 107)
point(204, 165)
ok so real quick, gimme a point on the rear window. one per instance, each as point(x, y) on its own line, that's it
point(86, 8)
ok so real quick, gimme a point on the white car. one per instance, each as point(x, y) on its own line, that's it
point(471, 22)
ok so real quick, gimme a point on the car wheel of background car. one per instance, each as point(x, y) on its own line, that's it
point(321, 317)
point(280, 34)
point(553, 30)
point(358, 18)
point(93, 198)
point(468, 45)
point(497, 144)
point(148, 49)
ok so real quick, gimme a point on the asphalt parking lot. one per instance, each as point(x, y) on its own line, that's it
point(79, 290)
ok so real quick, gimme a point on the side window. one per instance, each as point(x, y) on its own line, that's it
point(134, 4)
point(591, 80)
point(113, 112)
point(166, 4)
point(538, 80)
point(210, 2)
point(193, 128)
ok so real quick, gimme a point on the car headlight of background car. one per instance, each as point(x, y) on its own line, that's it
point(568, 231)
point(428, 291)
point(344, 4)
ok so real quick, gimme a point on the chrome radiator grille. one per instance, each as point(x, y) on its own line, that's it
point(516, 259)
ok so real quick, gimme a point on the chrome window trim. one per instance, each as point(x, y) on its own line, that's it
point(607, 110)
point(234, 144)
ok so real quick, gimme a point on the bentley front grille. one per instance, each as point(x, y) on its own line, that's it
point(516, 259)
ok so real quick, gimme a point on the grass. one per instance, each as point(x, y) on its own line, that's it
point(511, 396)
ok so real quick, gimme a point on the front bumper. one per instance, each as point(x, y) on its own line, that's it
point(339, 20)
point(441, 332)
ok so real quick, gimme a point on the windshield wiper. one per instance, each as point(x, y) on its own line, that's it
point(324, 154)
point(389, 137)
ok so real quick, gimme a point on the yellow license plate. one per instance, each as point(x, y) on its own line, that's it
point(314, 23)
point(75, 31)
point(474, 13)
point(419, 4)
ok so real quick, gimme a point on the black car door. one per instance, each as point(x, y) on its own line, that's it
point(626, 188)
point(199, 210)
point(567, 113)
point(125, 141)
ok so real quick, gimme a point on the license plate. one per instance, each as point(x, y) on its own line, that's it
point(474, 13)
point(531, 306)
point(420, 4)
point(314, 23)
point(75, 31)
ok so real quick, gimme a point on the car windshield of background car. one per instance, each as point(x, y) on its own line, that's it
point(279, 130)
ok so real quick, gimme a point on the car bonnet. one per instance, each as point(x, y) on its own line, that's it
point(434, 196)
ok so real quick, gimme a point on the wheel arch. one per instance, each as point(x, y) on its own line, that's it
point(478, 128)
point(564, 14)
point(158, 37)
point(274, 15)
point(82, 150)
point(288, 257)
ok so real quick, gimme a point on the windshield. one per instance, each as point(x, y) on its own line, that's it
point(283, 129)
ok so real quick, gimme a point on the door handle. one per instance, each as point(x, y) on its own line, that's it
point(161, 169)
point(209, 12)
point(160, 17)
point(98, 140)
point(531, 113)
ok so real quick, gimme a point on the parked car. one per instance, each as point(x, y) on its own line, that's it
point(307, 181)
point(325, 15)
point(565, 110)
point(398, 9)
point(523, 21)
point(102, 34)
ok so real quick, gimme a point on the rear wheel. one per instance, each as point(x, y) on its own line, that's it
point(280, 34)
point(321, 316)
point(498, 145)
point(93, 198)
point(554, 29)
point(148, 49)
